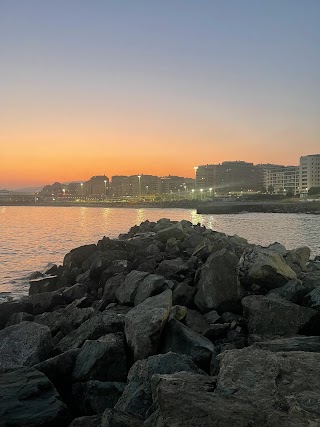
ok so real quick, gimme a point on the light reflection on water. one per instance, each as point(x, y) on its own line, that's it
point(31, 237)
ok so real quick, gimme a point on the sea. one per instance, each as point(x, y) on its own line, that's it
point(33, 236)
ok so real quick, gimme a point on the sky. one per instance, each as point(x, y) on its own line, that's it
point(120, 87)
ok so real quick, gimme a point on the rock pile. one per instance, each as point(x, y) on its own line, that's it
point(169, 325)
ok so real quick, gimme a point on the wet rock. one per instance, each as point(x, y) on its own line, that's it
point(126, 292)
point(275, 317)
point(264, 267)
point(27, 398)
point(112, 418)
point(172, 268)
point(93, 397)
point(43, 284)
point(178, 338)
point(218, 286)
point(92, 329)
point(137, 398)
point(144, 324)
point(103, 359)
point(25, 344)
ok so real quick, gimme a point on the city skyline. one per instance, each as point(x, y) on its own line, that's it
point(100, 87)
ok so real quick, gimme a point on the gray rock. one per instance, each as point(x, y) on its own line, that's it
point(195, 321)
point(92, 329)
point(178, 312)
point(178, 338)
point(312, 299)
point(75, 292)
point(151, 285)
point(93, 397)
point(25, 344)
point(144, 324)
point(218, 286)
point(112, 418)
point(264, 267)
point(20, 317)
point(104, 260)
point(298, 343)
point(44, 302)
point(277, 247)
point(188, 399)
point(212, 316)
point(175, 231)
point(89, 421)
point(298, 258)
point(283, 387)
point(65, 319)
point(110, 288)
point(103, 359)
point(43, 284)
point(77, 256)
point(137, 398)
point(172, 268)
point(183, 294)
point(275, 317)
point(7, 309)
point(27, 398)
point(126, 292)
point(292, 291)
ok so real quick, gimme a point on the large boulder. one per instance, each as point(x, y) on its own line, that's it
point(298, 258)
point(178, 338)
point(64, 319)
point(144, 324)
point(27, 398)
point(126, 292)
point(195, 321)
point(43, 284)
point(188, 399)
point(151, 285)
point(173, 268)
point(283, 387)
point(137, 398)
point(77, 291)
point(264, 267)
point(43, 302)
point(77, 256)
point(218, 286)
point(103, 323)
point(275, 317)
point(93, 397)
point(25, 344)
point(113, 418)
point(183, 294)
point(103, 359)
point(312, 299)
point(292, 291)
point(298, 343)
point(8, 308)
point(175, 231)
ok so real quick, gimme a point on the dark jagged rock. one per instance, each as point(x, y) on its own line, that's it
point(275, 317)
point(173, 268)
point(43, 284)
point(7, 309)
point(174, 231)
point(312, 299)
point(93, 397)
point(151, 285)
point(292, 291)
point(298, 343)
point(27, 398)
point(25, 344)
point(89, 421)
point(298, 258)
point(144, 325)
point(44, 302)
point(178, 338)
point(183, 294)
point(195, 321)
point(137, 398)
point(103, 359)
point(112, 418)
point(75, 292)
point(20, 317)
point(126, 292)
point(92, 329)
point(218, 286)
point(77, 256)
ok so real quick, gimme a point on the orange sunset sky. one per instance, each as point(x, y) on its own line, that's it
point(114, 88)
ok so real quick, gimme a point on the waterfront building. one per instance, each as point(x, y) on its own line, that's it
point(96, 187)
point(176, 184)
point(229, 177)
point(120, 186)
point(309, 172)
point(281, 179)
point(144, 185)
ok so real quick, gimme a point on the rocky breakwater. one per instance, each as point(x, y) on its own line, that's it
point(169, 325)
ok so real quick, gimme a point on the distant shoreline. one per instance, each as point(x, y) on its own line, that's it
point(205, 208)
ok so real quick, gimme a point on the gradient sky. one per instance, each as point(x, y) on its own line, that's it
point(92, 87)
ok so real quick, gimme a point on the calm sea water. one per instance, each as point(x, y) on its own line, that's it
point(31, 237)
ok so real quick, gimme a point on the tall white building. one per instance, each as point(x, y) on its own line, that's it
point(282, 179)
point(309, 172)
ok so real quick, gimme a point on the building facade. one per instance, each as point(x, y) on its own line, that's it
point(309, 172)
point(281, 179)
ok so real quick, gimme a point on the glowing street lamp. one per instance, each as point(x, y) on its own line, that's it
point(201, 192)
point(139, 189)
point(195, 176)
point(105, 188)
point(210, 189)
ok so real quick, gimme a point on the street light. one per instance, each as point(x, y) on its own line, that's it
point(210, 189)
point(105, 189)
point(201, 191)
point(81, 185)
point(139, 189)
point(195, 176)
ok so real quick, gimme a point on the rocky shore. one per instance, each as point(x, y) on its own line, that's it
point(169, 325)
